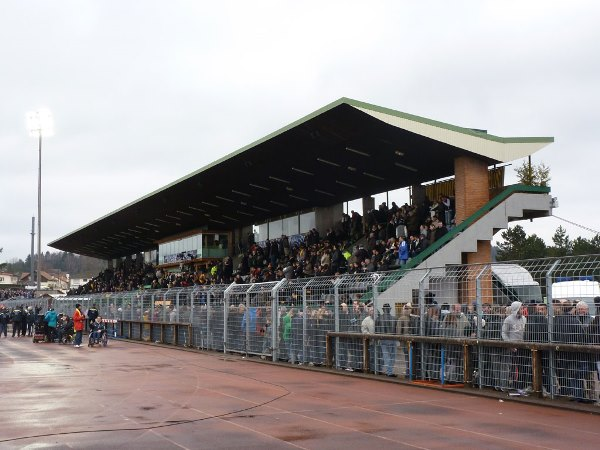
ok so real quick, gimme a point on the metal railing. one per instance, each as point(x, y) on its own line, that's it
point(448, 325)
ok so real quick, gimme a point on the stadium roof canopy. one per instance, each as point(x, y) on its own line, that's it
point(344, 151)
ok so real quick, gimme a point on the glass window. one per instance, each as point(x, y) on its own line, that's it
point(290, 226)
point(307, 222)
point(275, 229)
point(262, 232)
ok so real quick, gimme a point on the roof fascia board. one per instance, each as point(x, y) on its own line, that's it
point(494, 147)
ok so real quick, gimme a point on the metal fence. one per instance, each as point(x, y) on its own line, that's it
point(454, 324)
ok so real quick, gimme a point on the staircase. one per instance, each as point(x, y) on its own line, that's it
point(516, 202)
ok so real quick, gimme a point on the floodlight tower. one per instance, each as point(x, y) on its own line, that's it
point(39, 123)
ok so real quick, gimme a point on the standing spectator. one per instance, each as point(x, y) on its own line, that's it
point(4, 319)
point(51, 318)
point(403, 328)
point(297, 339)
point(285, 351)
point(172, 314)
point(402, 251)
point(454, 326)
point(92, 315)
point(571, 327)
point(367, 326)
point(536, 330)
point(15, 318)
point(23, 320)
point(513, 330)
point(78, 324)
point(355, 354)
point(30, 320)
point(432, 351)
point(386, 324)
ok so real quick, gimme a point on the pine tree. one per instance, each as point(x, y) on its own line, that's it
point(563, 246)
point(517, 245)
point(534, 174)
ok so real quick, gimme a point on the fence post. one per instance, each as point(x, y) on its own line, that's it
point(305, 320)
point(551, 359)
point(410, 360)
point(226, 301)
point(536, 372)
point(421, 323)
point(366, 355)
point(328, 352)
point(177, 306)
point(467, 366)
point(479, 306)
point(275, 319)
point(336, 327)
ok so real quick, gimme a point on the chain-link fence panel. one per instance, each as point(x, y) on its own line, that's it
point(235, 327)
point(258, 320)
point(216, 320)
point(290, 336)
point(355, 312)
point(199, 316)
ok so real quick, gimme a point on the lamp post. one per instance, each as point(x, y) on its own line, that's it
point(40, 124)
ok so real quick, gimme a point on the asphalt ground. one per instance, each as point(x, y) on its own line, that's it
point(135, 396)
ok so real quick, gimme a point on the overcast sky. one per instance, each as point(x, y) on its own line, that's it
point(145, 92)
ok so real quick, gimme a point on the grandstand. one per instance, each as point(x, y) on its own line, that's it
point(297, 179)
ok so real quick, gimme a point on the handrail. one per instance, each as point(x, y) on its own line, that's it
point(435, 246)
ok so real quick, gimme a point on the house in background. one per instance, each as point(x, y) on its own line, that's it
point(58, 281)
point(8, 279)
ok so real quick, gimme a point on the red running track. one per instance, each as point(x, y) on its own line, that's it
point(134, 396)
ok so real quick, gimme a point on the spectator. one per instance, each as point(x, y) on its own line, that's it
point(513, 330)
point(78, 324)
point(386, 324)
point(403, 251)
point(51, 318)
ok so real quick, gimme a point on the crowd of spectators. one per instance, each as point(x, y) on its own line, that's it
point(7, 294)
point(384, 239)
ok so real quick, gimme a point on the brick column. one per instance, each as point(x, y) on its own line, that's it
point(469, 283)
point(471, 186)
point(471, 193)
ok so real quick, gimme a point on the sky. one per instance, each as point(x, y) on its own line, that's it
point(144, 93)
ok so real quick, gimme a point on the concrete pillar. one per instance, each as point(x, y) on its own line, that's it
point(327, 217)
point(417, 194)
point(368, 203)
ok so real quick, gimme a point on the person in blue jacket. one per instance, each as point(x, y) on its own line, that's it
point(402, 251)
point(50, 318)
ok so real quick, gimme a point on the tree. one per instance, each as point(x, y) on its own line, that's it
point(563, 246)
point(533, 174)
point(517, 245)
point(514, 240)
point(582, 246)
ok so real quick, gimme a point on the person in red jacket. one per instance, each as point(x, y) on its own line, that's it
point(78, 324)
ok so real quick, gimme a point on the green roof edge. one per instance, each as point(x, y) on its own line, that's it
point(447, 126)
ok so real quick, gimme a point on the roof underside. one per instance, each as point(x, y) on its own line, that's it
point(344, 151)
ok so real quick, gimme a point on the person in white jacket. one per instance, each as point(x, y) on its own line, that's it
point(367, 326)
